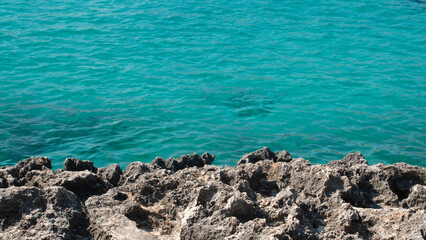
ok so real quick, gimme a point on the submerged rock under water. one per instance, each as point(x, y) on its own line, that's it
point(267, 196)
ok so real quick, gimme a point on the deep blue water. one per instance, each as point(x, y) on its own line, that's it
point(122, 81)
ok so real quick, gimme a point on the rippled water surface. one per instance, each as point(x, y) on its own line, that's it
point(121, 81)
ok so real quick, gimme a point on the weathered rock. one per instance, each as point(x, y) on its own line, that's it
point(34, 213)
point(115, 216)
point(261, 154)
point(159, 162)
point(267, 196)
point(284, 156)
point(134, 171)
point(185, 161)
point(16, 175)
point(350, 160)
point(416, 197)
point(208, 158)
point(83, 184)
point(38, 163)
point(3, 182)
point(393, 223)
point(74, 164)
point(111, 174)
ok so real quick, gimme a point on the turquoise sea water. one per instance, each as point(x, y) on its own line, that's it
point(122, 81)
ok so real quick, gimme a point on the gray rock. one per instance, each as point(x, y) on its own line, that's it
point(38, 163)
point(173, 165)
point(115, 216)
point(273, 197)
point(159, 162)
point(416, 198)
point(3, 182)
point(16, 175)
point(134, 171)
point(208, 158)
point(261, 154)
point(74, 164)
point(111, 174)
point(284, 156)
point(49, 213)
point(185, 161)
point(351, 159)
point(83, 184)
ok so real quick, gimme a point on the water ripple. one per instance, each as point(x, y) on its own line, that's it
point(119, 81)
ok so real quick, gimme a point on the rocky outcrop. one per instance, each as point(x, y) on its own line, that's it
point(41, 213)
point(267, 196)
point(111, 174)
point(259, 155)
point(74, 164)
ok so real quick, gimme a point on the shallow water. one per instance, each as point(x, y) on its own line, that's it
point(123, 81)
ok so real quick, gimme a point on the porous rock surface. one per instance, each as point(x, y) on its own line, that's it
point(267, 196)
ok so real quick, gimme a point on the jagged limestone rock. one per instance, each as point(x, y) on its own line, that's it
point(267, 196)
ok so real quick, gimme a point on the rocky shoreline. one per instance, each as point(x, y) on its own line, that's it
point(267, 196)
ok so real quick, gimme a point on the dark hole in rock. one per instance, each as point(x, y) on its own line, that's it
point(312, 217)
point(401, 186)
point(347, 197)
point(139, 216)
point(245, 211)
point(361, 195)
point(147, 220)
point(205, 195)
point(120, 196)
point(263, 186)
point(224, 178)
point(86, 186)
point(9, 216)
point(147, 190)
point(244, 217)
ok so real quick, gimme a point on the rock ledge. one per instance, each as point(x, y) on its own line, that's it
point(267, 196)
